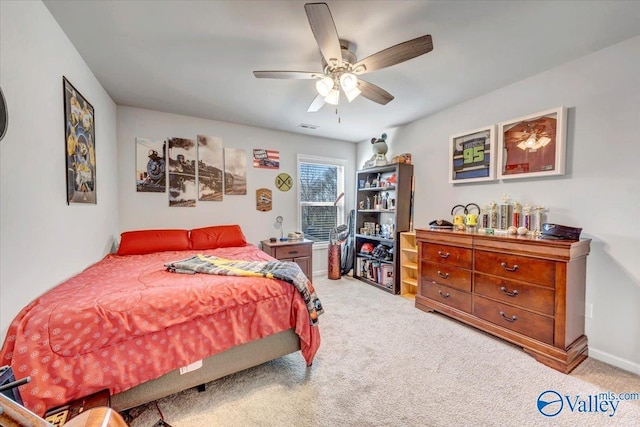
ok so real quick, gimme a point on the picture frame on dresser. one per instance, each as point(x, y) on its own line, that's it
point(533, 145)
point(471, 155)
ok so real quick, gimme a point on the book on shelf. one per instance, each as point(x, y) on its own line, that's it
point(375, 271)
point(386, 275)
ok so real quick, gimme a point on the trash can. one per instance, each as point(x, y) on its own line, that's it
point(334, 261)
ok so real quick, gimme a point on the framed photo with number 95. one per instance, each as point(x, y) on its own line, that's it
point(471, 156)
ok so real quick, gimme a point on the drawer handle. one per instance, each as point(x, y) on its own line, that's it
point(443, 275)
point(293, 252)
point(447, 295)
point(443, 255)
point(506, 292)
point(508, 319)
point(504, 265)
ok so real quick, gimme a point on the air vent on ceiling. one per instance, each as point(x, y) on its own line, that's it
point(307, 126)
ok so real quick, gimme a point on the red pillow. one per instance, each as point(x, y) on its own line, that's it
point(218, 236)
point(147, 241)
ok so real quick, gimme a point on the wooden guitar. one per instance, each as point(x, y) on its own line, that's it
point(97, 417)
point(13, 414)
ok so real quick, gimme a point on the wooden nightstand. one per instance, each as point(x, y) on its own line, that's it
point(298, 251)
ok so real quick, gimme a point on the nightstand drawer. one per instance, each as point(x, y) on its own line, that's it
point(293, 251)
point(299, 251)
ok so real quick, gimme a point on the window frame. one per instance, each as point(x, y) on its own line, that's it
point(341, 164)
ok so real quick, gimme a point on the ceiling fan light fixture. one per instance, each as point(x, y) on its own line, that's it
point(544, 140)
point(348, 82)
point(352, 94)
point(531, 141)
point(324, 85)
point(333, 97)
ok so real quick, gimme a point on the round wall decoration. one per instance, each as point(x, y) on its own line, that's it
point(284, 182)
point(4, 118)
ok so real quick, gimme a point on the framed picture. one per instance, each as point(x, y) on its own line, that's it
point(471, 155)
point(266, 159)
point(182, 172)
point(151, 165)
point(210, 168)
point(533, 145)
point(80, 152)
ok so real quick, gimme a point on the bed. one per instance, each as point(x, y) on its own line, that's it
point(128, 324)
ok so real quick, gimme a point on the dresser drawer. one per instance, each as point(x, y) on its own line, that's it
point(293, 251)
point(530, 324)
point(447, 255)
point(515, 267)
point(519, 294)
point(446, 275)
point(446, 295)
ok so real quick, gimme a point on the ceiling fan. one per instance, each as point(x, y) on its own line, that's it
point(341, 69)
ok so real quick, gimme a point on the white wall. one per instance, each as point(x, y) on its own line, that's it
point(598, 193)
point(151, 210)
point(42, 239)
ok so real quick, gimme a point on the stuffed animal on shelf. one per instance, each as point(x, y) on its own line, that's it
point(380, 149)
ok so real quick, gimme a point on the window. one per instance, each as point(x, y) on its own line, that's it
point(321, 183)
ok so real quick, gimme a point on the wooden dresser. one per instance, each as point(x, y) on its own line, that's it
point(525, 290)
point(298, 251)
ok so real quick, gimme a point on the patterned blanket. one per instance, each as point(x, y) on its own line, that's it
point(288, 271)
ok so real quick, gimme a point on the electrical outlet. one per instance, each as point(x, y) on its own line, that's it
point(588, 311)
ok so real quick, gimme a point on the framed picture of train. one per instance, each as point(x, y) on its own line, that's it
point(182, 172)
point(80, 152)
point(150, 165)
point(235, 171)
point(210, 168)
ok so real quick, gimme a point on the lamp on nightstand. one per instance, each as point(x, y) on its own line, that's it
point(279, 220)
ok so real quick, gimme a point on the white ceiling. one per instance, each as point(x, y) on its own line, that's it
point(196, 57)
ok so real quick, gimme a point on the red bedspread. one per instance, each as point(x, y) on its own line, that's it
point(126, 320)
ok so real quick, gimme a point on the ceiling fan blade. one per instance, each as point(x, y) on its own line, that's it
point(324, 30)
point(316, 104)
point(374, 93)
point(394, 55)
point(287, 75)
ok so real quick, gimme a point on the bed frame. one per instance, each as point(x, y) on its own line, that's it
point(233, 360)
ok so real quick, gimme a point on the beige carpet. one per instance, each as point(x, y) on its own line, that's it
point(383, 362)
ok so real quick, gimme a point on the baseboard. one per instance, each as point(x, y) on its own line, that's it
point(616, 361)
